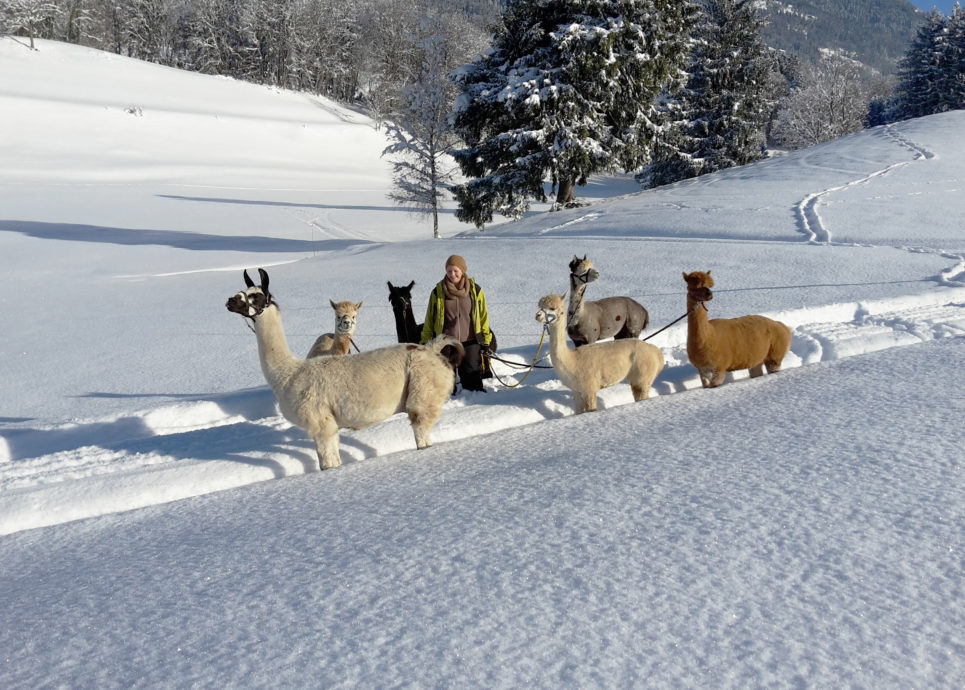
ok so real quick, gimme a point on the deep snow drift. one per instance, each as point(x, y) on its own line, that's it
point(799, 529)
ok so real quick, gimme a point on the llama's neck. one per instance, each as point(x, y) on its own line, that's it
point(698, 325)
point(343, 343)
point(277, 361)
point(560, 355)
point(575, 308)
point(405, 326)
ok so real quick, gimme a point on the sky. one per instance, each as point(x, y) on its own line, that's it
point(944, 6)
point(162, 525)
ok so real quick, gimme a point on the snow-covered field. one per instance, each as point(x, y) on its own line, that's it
point(164, 527)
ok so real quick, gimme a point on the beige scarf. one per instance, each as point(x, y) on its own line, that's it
point(458, 309)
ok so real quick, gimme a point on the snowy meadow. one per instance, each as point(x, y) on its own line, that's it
point(163, 526)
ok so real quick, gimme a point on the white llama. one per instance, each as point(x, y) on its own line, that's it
point(589, 368)
point(324, 394)
point(339, 342)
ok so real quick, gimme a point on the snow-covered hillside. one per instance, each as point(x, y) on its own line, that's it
point(803, 529)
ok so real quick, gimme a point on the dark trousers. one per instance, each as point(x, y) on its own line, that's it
point(471, 369)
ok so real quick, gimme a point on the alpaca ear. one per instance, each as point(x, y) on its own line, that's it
point(566, 295)
point(389, 283)
point(411, 284)
point(248, 281)
point(359, 305)
point(708, 271)
point(334, 306)
point(584, 257)
point(264, 280)
point(684, 274)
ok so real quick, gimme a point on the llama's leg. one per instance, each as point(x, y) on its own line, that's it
point(584, 402)
point(640, 392)
point(773, 366)
point(423, 420)
point(718, 378)
point(428, 392)
point(706, 377)
point(326, 445)
point(757, 371)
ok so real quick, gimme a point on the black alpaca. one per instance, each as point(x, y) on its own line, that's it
point(407, 330)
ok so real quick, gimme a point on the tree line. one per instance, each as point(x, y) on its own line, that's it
point(360, 51)
point(485, 101)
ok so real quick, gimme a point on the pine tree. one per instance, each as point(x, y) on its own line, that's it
point(720, 118)
point(568, 89)
point(930, 74)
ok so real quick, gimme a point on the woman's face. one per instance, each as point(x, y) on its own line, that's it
point(454, 274)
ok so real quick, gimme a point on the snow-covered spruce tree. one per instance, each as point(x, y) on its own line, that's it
point(719, 120)
point(420, 133)
point(930, 75)
point(567, 89)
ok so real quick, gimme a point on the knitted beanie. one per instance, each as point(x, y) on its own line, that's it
point(458, 261)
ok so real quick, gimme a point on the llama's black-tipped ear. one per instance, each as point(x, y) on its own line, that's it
point(334, 306)
point(411, 283)
point(264, 280)
point(389, 283)
point(248, 281)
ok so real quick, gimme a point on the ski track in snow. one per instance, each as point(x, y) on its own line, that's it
point(809, 219)
point(197, 446)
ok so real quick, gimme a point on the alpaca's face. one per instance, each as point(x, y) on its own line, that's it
point(582, 271)
point(400, 296)
point(345, 315)
point(250, 302)
point(551, 308)
point(699, 284)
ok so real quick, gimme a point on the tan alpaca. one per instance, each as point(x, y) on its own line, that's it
point(339, 342)
point(324, 394)
point(589, 368)
point(716, 346)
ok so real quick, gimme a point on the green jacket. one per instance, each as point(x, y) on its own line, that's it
point(435, 314)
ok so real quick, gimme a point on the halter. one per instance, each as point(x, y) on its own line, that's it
point(548, 318)
point(582, 277)
point(345, 324)
point(250, 304)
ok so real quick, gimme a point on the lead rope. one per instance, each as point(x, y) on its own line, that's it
point(680, 318)
point(532, 365)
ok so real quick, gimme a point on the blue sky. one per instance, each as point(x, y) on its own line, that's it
point(944, 6)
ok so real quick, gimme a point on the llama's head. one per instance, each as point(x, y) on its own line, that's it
point(252, 301)
point(582, 271)
point(400, 297)
point(699, 284)
point(551, 308)
point(345, 314)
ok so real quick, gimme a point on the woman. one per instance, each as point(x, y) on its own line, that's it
point(457, 307)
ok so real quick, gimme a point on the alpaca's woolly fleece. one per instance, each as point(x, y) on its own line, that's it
point(590, 368)
point(716, 346)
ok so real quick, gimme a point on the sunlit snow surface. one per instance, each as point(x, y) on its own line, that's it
point(803, 529)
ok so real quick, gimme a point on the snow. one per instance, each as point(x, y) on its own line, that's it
point(163, 526)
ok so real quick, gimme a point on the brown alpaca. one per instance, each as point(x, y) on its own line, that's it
point(339, 342)
point(716, 346)
point(587, 369)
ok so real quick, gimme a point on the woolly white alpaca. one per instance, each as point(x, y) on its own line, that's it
point(339, 342)
point(324, 394)
point(589, 368)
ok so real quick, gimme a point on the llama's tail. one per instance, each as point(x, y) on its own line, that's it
point(448, 348)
